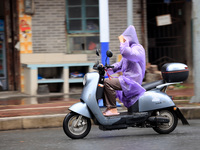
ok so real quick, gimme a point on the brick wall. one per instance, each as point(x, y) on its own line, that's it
point(48, 26)
point(118, 23)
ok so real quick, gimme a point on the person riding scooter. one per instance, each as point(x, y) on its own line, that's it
point(132, 66)
point(154, 109)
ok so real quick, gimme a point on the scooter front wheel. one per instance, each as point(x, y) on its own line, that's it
point(166, 128)
point(76, 126)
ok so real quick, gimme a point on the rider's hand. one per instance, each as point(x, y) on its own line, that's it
point(100, 66)
point(121, 39)
point(110, 69)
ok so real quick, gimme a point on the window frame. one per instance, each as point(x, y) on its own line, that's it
point(80, 33)
point(83, 18)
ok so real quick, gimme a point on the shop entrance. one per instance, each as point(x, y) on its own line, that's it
point(3, 68)
point(166, 31)
point(9, 56)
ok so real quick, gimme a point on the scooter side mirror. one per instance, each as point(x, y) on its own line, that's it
point(97, 52)
point(109, 53)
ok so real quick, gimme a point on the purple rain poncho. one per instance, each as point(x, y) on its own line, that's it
point(132, 66)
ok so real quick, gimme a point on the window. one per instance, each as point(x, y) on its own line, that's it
point(82, 18)
point(78, 43)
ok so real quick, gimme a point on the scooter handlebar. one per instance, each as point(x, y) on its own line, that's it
point(100, 67)
point(109, 66)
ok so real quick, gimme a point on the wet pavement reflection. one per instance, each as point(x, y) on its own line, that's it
point(38, 100)
point(41, 105)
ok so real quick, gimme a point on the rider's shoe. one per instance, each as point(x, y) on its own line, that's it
point(111, 112)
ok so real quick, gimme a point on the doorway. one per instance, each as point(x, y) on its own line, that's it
point(166, 36)
point(3, 68)
point(9, 55)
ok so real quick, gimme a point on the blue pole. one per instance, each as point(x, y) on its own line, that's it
point(104, 29)
point(104, 48)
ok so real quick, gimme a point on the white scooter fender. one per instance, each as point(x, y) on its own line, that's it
point(81, 108)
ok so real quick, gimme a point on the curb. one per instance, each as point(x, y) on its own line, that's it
point(190, 112)
point(31, 122)
point(56, 120)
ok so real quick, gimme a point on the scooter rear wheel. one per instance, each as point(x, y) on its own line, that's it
point(76, 126)
point(166, 128)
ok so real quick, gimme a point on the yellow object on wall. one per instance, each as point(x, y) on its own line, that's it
point(25, 37)
point(25, 27)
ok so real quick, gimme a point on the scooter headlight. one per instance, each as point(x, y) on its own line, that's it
point(85, 79)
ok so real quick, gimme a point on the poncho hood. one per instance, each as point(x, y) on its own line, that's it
point(130, 35)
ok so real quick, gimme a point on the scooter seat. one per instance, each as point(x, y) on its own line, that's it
point(152, 85)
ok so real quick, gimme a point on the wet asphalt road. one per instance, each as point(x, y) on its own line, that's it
point(183, 138)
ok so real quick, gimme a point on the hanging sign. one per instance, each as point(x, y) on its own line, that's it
point(163, 20)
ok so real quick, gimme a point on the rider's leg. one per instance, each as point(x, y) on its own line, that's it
point(110, 86)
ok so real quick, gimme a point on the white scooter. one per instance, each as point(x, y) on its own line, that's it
point(154, 109)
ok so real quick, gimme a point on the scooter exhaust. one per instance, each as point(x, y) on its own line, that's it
point(158, 119)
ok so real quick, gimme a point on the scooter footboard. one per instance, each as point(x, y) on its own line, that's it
point(81, 108)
